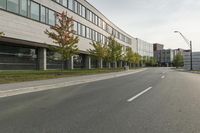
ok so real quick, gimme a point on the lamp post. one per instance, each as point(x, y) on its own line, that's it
point(190, 44)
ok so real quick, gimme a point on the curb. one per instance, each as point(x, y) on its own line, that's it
point(25, 90)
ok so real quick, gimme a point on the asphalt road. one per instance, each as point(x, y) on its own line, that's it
point(158, 100)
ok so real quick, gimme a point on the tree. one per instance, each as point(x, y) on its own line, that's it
point(129, 55)
point(114, 50)
point(151, 61)
point(136, 58)
point(99, 51)
point(178, 60)
point(62, 34)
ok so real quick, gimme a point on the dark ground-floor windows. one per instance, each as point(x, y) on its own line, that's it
point(54, 61)
point(17, 57)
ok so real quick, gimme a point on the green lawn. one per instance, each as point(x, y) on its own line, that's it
point(20, 76)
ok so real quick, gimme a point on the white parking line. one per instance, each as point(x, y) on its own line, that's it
point(136, 96)
point(163, 77)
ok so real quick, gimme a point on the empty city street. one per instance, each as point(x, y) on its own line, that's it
point(157, 100)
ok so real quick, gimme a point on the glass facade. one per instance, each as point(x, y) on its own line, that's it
point(15, 57)
point(3, 4)
point(64, 3)
point(43, 14)
point(52, 19)
point(23, 7)
point(13, 6)
point(35, 11)
point(70, 4)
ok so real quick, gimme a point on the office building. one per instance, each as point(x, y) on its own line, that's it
point(157, 46)
point(25, 46)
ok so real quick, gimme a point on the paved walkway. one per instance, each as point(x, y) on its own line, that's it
point(34, 86)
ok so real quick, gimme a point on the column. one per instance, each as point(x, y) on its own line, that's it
point(87, 62)
point(108, 65)
point(70, 63)
point(115, 63)
point(42, 59)
point(100, 63)
point(120, 64)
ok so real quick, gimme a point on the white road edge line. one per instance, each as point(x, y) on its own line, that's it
point(163, 77)
point(139, 94)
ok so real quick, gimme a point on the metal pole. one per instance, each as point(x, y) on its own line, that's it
point(191, 66)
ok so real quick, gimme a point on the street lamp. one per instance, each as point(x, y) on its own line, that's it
point(190, 44)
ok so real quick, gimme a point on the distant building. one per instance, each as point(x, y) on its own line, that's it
point(195, 60)
point(179, 51)
point(165, 57)
point(157, 46)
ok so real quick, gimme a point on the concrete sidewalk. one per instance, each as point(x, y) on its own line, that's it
point(34, 86)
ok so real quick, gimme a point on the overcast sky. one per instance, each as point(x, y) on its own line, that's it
point(155, 20)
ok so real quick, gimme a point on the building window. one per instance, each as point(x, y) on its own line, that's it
point(13, 6)
point(80, 9)
point(83, 11)
point(70, 4)
point(43, 14)
point(100, 23)
point(96, 20)
point(35, 11)
point(97, 36)
point(83, 30)
point(52, 18)
point(75, 7)
point(101, 38)
point(3, 4)
point(109, 29)
point(91, 16)
point(47, 15)
point(93, 35)
point(104, 25)
point(87, 14)
point(64, 3)
point(75, 27)
point(88, 33)
point(23, 7)
point(79, 29)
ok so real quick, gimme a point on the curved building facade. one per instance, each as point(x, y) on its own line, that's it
point(25, 44)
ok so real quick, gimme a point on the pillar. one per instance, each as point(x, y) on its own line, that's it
point(42, 59)
point(87, 62)
point(108, 65)
point(115, 63)
point(100, 63)
point(120, 64)
point(70, 63)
